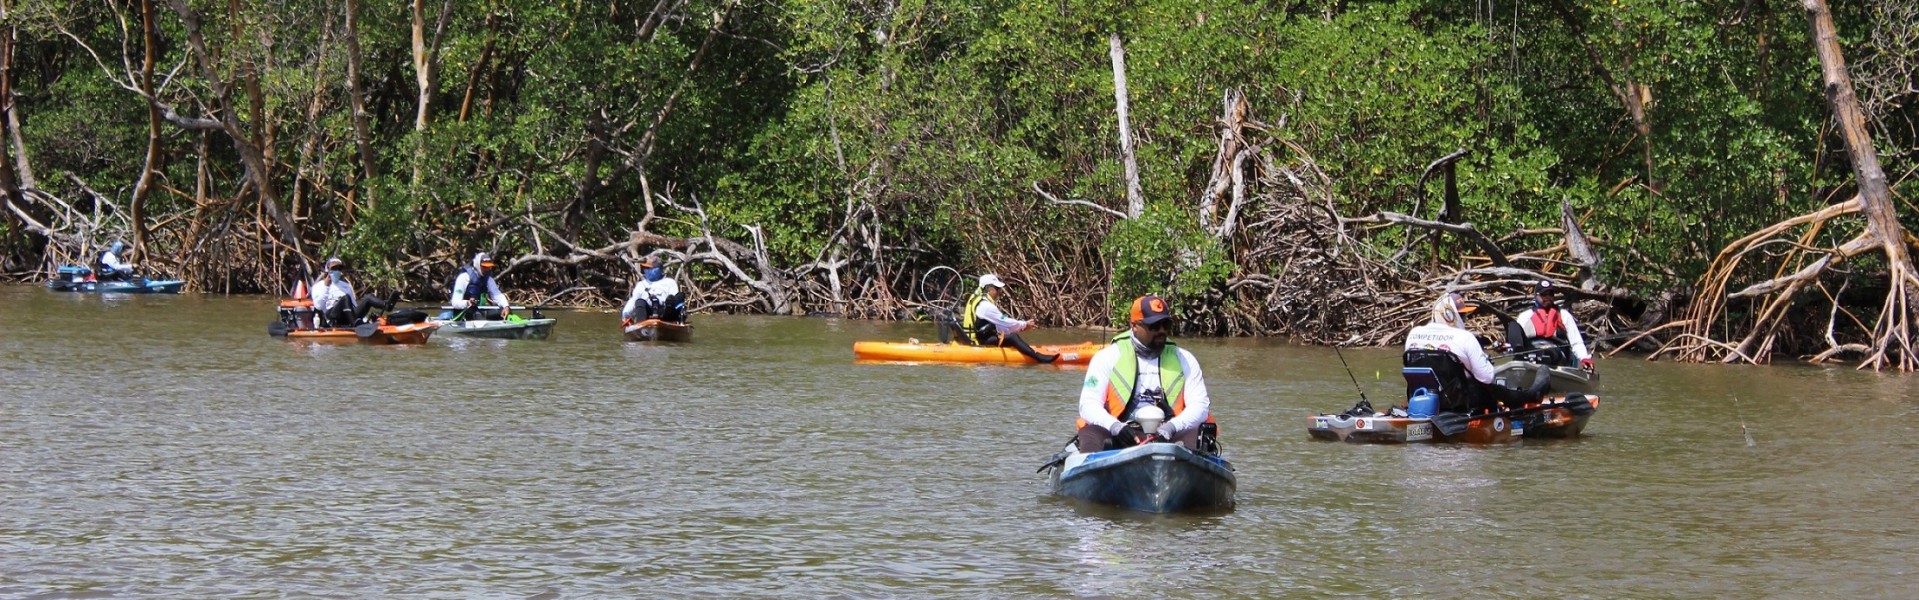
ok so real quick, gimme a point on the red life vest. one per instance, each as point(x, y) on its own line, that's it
point(1546, 322)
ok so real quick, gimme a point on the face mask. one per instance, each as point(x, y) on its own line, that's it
point(1151, 348)
point(654, 274)
point(336, 275)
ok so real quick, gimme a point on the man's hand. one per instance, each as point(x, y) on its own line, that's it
point(1587, 364)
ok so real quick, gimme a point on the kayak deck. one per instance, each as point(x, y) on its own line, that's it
point(1155, 477)
point(1548, 421)
point(914, 351)
point(529, 329)
point(152, 286)
point(412, 333)
point(652, 330)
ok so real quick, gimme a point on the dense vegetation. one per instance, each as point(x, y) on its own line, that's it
point(824, 154)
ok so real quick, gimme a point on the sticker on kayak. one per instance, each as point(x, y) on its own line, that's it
point(1499, 424)
point(1069, 356)
point(1419, 431)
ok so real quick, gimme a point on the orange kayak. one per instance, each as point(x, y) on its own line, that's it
point(914, 351)
point(413, 333)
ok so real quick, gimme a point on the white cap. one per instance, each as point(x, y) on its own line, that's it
point(992, 280)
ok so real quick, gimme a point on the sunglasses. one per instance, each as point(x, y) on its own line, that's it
point(1166, 325)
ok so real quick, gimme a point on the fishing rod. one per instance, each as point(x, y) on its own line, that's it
point(1349, 375)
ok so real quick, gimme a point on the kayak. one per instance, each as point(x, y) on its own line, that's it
point(513, 328)
point(1154, 477)
point(297, 322)
point(652, 330)
point(1558, 416)
point(1569, 402)
point(80, 279)
point(914, 351)
point(411, 333)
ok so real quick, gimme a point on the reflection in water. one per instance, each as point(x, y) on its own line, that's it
point(166, 446)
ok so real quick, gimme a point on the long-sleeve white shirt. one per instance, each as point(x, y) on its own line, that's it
point(1099, 374)
point(327, 293)
point(112, 261)
point(1573, 338)
point(492, 291)
point(652, 291)
point(1461, 343)
point(990, 313)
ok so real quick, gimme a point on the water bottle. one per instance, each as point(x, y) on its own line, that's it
point(1422, 403)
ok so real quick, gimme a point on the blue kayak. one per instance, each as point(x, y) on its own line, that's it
point(1155, 477)
point(80, 279)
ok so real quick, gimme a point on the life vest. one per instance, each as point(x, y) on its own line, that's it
point(973, 327)
point(1122, 381)
point(1546, 322)
point(476, 282)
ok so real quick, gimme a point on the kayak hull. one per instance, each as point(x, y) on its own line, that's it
point(151, 286)
point(415, 333)
point(1549, 422)
point(530, 329)
point(913, 351)
point(655, 330)
point(1155, 477)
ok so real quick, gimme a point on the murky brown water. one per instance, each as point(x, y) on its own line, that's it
point(166, 446)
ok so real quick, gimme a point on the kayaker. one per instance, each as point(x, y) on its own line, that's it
point(1453, 353)
point(110, 266)
point(656, 296)
point(334, 300)
point(475, 282)
point(1546, 321)
point(984, 325)
point(1142, 368)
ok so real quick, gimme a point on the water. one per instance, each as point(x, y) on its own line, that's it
point(167, 447)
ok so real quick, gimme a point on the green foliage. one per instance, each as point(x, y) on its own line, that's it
point(1164, 252)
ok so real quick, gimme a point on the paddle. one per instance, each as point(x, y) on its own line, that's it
point(1454, 423)
point(366, 330)
point(279, 329)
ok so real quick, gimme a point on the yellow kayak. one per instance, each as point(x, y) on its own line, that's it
point(914, 351)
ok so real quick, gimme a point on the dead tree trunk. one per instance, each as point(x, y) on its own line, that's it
point(1882, 220)
point(1135, 197)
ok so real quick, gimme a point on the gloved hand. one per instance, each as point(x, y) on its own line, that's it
point(504, 311)
point(1586, 363)
point(1119, 426)
point(1165, 432)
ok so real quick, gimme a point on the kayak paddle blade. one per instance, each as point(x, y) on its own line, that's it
point(366, 330)
point(278, 329)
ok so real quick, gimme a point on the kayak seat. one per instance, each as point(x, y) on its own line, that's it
point(1440, 372)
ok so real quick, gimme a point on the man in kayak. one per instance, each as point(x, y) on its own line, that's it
point(334, 300)
point(1453, 353)
point(1142, 368)
point(1546, 322)
point(111, 267)
point(474, 283)
point(984, 325)
point(656, 296)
